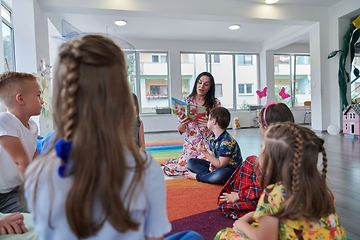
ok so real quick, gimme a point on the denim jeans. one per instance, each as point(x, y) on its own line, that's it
point(203, 174)
point(185, 235)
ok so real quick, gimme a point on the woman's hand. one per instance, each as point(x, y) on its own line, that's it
point(184, 121)
point(203, 121)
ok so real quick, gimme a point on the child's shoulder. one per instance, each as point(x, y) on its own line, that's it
point(8, 119)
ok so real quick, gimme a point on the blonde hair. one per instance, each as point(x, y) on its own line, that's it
point(93, 108)
point(12, 83)
point(290, 156)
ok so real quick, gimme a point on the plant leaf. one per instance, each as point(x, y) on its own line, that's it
point(333, 54)
point(356, 72)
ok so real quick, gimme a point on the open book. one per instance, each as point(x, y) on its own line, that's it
point(195, 112)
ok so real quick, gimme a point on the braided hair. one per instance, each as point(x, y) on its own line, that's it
point(290, 156)
point(94, 109)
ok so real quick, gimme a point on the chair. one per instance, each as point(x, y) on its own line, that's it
point(357, 100)
point(307, 107)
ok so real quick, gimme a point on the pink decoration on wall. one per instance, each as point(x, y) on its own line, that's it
point(262, 93)
point(283, 94)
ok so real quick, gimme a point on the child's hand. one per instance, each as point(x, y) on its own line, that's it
point(249, 217)
point(230, 197)
point(12, 224)
point(201, 147)
point(203, 121)
point(212, 167)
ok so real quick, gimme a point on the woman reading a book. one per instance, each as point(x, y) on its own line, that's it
point(194, 129)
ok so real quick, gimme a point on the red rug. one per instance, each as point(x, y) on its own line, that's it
point(192, 205)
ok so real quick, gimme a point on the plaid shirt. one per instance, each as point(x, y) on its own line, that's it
point(246, 181)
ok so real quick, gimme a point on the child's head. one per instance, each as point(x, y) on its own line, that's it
point(21, 89)
point(136, 104)
point(93, 108)
point(221, 115)
point(274, 112)
point(290, 156)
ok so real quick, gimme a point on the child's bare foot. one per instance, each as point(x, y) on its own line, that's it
point(12, 224)
point(190, 175)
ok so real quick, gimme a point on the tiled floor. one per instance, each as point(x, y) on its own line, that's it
point(343, 169)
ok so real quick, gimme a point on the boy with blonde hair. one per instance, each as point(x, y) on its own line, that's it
point(21, 95)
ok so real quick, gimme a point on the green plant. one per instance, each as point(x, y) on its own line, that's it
point(350, 38)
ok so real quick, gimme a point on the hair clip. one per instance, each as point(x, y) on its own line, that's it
point(268, 103)
point(63, 149)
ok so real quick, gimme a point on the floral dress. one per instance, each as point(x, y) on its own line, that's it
point(194, 133)
point(270, 202)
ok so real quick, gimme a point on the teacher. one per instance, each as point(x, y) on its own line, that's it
point(203, 94)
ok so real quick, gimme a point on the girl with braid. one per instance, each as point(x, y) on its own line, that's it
point(296, 202)
point(95, 183)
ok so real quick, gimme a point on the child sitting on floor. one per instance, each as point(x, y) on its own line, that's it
point(226, 156)
point(21, 94)
point(296, 202)
point(241, 192)
point(94, 182)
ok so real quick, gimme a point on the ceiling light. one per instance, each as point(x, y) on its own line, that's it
point(271, 1)
point(234, 27)
point(120, 22)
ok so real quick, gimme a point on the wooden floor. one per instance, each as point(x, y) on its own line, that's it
point(343, 170)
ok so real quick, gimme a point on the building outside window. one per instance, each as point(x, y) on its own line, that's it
point(152, 81)
point(229, 75)
point(8, 38)
point(244, 59)
point(292, 72)
point(218, 90)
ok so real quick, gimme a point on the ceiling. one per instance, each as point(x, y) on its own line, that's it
point(157, 19)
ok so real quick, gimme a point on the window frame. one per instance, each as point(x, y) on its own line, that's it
point(10, 25)
point(138, 76)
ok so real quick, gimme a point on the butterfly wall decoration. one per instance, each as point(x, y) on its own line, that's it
point(262, 93)
point(283, 94)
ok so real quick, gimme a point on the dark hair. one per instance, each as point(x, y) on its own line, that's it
point(278, 112)
point(290, 156)
point(210, 101)
point(136, 103)
point(221, 115)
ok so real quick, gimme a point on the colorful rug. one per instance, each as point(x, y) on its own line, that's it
point(191, 205)
point(164, 150)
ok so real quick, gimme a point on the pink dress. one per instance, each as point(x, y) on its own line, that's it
point(194, 133)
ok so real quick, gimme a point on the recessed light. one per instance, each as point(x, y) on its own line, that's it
point(234, 27)
point(271, 1)
point(120, 22)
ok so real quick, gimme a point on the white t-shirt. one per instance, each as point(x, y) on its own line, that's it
point(149, 208)
point(10, 125)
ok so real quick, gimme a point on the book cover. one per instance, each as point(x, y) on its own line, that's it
point(195, 112)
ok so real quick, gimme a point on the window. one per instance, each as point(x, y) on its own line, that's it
point(159, 58)
point(244, 59)
point(215, 58)
point(152, 81)
point(245, 88)
point(355, 82)
point(218, 90)
point(192, 64)
point(292, 72)
point(8, 39)
point(345, 126)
